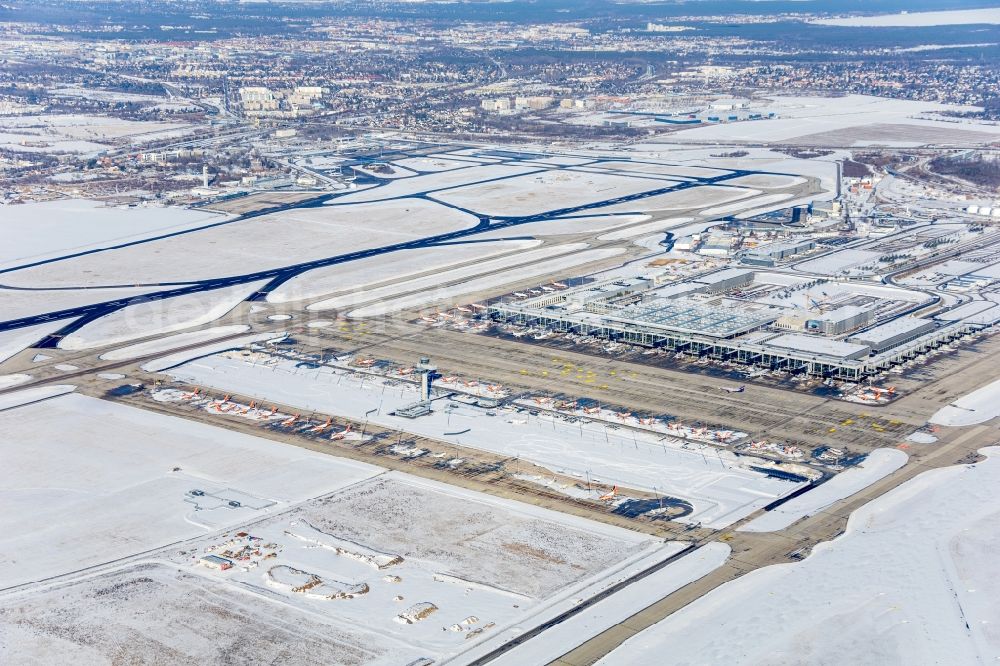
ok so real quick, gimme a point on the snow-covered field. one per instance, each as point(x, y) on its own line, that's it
point(434, 181)
point(603, 615)
point(714, 481)
point(429, 570)
point(73, 133)
point(7, 381)
point(755, 205)
point(258, 243)
point(115, 480)
point(19, 339)
point(979, 406)
point(361, 274)
point(158, 317)
point(918, 19)
point(766, 181)
point(851, 119)
point(695, 197)
point(645, 229)
point(177, 358)
point(153, 613)
point(879, 464)
point(165, 344)
point(915, 580)
point(469, 555)
point(539, 193)
point(495, 283)
point(429, 283)
point(430, 164)
point(17, 303)
point(43, 230)
point(660, 169)
point(15, 399)
point(558, 226)
point(838, 262)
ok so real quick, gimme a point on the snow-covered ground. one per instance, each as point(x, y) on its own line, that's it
point(155, 613)
point(660, 169)
point(918, 19)
point(756, 159)
point(43, 230)
point(750, 206)
point(430, 164)
point(483, 563)
point(979, 406)
point(879, 464)
point(434, 181)
point(397, 172)
point(431, 570)
point(165, 344)
point(14, 399)
point(7, 381)
point(361, 274)
point(539, 193)
point(456, 293)
point(766, 181)
point(18, 339)
point(17, 303)
point(115, 481)
point(858, 119)
point(582, 224)
point(560, 639)
point(704, 196)
point(429, 283)
point(915, 580)
point(714, 481)
point(839, 262)
point(259, 243)
point(177, 358)
point(74, 133)
point(645, 229)
point(158, 317)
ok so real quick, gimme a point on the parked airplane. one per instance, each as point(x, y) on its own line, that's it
point(734, 389)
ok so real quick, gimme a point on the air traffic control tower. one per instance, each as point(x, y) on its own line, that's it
point(428, 373)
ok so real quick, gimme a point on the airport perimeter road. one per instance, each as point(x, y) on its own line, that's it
point(755, 550)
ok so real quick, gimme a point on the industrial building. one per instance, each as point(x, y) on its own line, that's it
point(775, 252)
point(216, 562)
point(725, 280)
point(843, 319)
point(834, 322)
point(893, 333)
point(645, 312)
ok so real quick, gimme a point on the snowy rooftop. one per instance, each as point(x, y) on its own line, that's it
point(889, 330)
point(723, 275)
point(816, 345)
point(690, 317)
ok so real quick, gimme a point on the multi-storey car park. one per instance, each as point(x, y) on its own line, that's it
point(689, 317)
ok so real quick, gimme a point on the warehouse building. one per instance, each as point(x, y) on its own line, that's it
point(841, 320)
point(724, 280)
point(775, 252)
point(812, 344)
point(893, 334)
